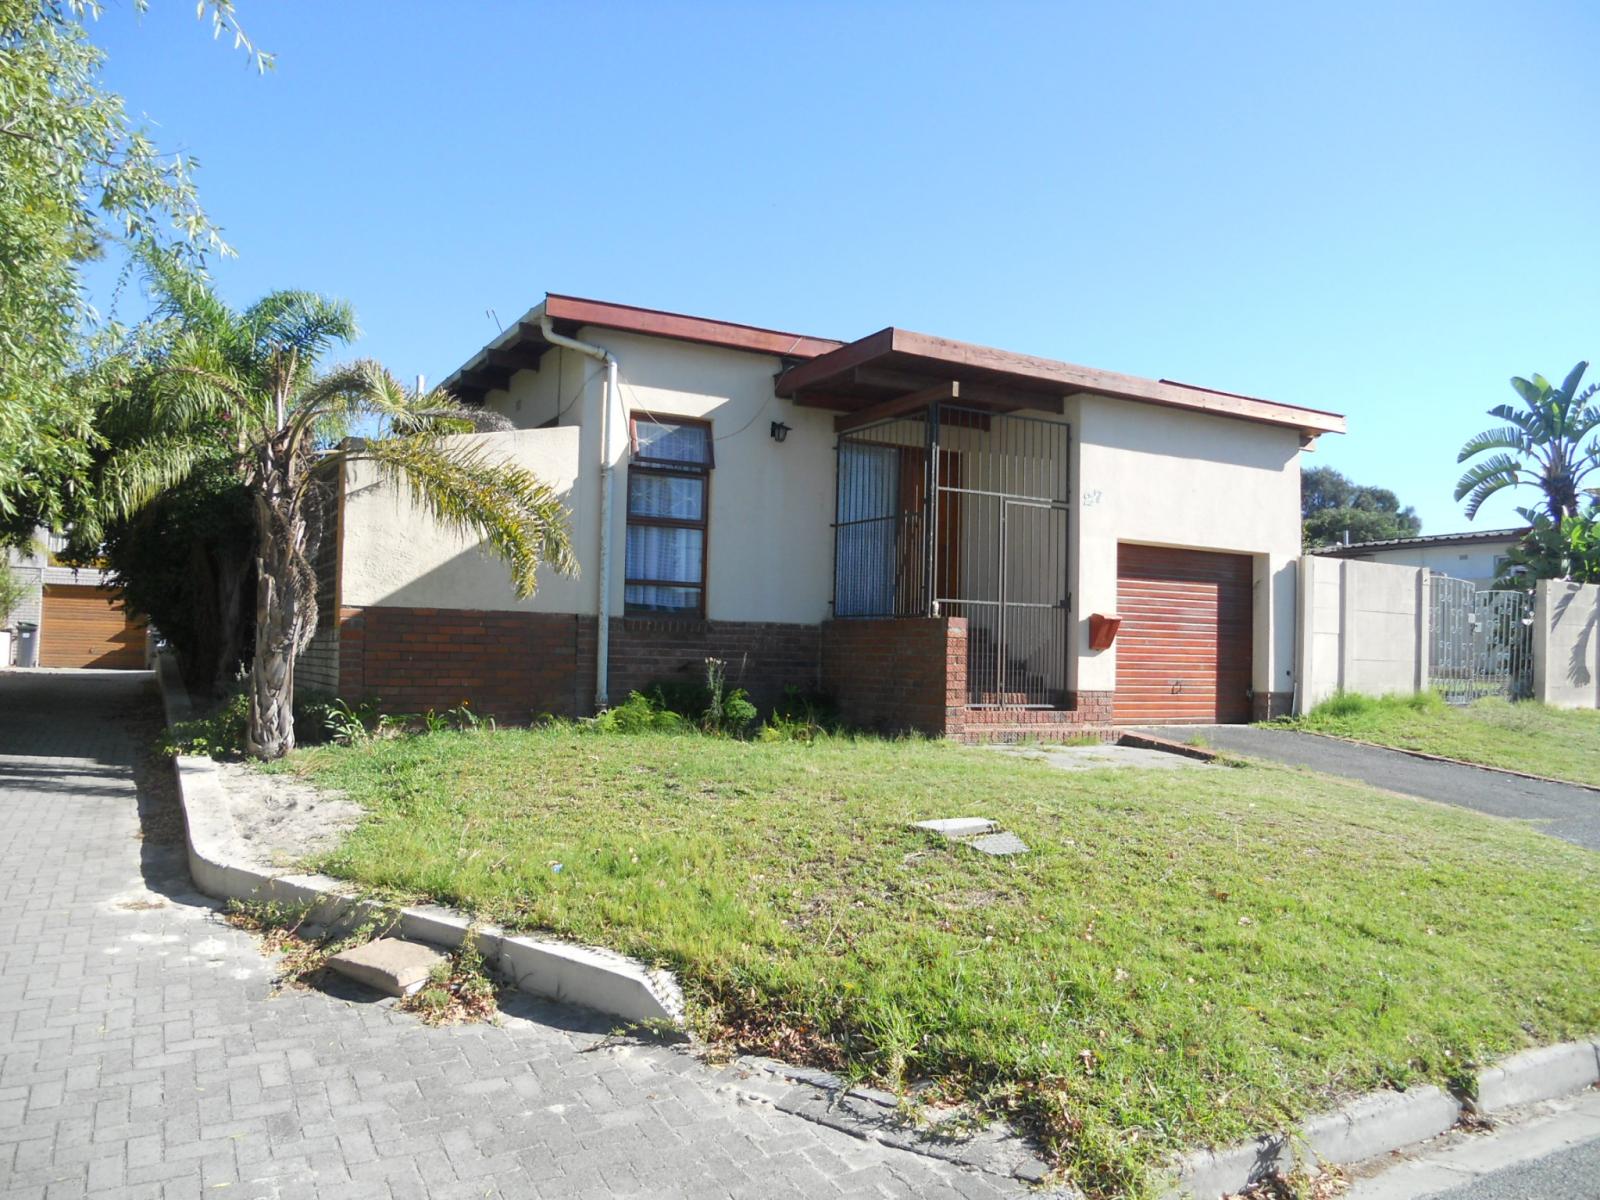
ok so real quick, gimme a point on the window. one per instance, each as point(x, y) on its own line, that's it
point(667, 481)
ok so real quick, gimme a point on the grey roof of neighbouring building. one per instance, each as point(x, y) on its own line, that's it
point(1478, 537)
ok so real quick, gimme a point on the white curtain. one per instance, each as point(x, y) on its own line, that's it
point(664, 551)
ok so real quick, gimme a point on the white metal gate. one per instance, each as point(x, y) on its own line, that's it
point(1480, 642)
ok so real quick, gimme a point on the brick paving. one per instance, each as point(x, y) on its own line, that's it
point(144, 1053)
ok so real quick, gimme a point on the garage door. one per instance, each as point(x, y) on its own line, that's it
point(1183, 652)
point(86, 627)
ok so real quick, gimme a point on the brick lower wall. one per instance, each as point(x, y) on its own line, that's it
point(316, 668)
point(762, 657)
point(1269, 706)
point(513, 666)
point(898, 674)
point(519, 666)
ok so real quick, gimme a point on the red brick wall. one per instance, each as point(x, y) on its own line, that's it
point(513, 666)
point(518, 666)
point(898, 674)
point(762, 657)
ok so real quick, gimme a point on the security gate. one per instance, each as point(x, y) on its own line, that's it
point(963, 512)
point(1480, 642)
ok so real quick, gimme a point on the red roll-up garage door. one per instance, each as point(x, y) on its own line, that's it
point(86, 627)
point(1183, 652)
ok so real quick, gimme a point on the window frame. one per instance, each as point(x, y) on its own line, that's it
point(668, 468)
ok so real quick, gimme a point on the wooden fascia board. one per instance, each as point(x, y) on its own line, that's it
point(1070, 378)
point(836, 362)
point(627, 319)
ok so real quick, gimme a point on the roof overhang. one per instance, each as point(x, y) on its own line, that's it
point(892, 363)
point(521, 346)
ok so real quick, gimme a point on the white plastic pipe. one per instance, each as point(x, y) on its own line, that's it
point(602, 654)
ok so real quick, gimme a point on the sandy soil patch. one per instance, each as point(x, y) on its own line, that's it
point(284, 820)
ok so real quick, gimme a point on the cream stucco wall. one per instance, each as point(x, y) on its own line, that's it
point(1164, 477)
point(1474, 562)
point(769, 553)
point(395, 554)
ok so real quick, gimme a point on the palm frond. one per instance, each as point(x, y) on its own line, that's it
point(1533, 391)
point(518, 516)
point(134, 477)
point(1507, 437)
point(366, 388)
point(1574, 380)
point(304, 322)
point(1529, 423)
point(1484, 479)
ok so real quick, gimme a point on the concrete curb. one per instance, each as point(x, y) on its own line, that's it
point(222, 868)
point(1383, 1122)
point(1542, 1074)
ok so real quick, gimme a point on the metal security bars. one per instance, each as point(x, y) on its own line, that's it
point(1480, 642)
point(963, 512)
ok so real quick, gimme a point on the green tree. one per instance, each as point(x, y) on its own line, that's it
point(1541, 445)
point(1331, 506)
point(77, 180)
point(247, 383)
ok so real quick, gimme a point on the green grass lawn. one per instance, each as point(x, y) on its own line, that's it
point(1184, 956)
point(1558, 742)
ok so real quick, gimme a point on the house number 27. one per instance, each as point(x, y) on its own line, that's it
point(1092, 497)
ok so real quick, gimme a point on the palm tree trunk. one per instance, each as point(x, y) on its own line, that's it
point(271, 730)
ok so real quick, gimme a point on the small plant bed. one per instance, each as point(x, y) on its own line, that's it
point(1533, 738)
point(1179, 958)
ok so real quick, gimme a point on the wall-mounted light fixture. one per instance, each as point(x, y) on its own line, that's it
point(779, 431)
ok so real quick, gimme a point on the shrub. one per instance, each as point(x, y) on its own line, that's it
point(640, 714)
point(218, 733)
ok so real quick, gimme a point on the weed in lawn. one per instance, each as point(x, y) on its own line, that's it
point(458, 990)
point(303, 950)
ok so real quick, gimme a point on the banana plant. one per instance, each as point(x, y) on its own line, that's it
point(1541, 445)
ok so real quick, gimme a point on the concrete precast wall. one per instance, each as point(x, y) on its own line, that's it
point(1566, 644)
point(1363, 628)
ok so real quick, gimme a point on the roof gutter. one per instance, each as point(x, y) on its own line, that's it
point(609, 396)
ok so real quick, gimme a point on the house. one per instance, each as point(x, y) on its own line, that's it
point(941, 536)
point(1477, 556)
point(75, 616)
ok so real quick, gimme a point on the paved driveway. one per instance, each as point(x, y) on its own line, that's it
point(1563, 811)
point(143, 1053)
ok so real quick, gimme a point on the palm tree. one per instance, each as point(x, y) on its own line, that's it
point(1542, 445)
point(247, 383)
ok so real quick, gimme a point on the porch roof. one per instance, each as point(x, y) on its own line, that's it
point(882, 367)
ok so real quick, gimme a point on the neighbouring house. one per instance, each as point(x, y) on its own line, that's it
point(1478, 556)
point(75, 614)
point(945, 537)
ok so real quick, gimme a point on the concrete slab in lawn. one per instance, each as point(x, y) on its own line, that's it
point(958, 827)
point(391, 965)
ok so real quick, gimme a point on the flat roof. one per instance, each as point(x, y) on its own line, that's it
point(879, 369)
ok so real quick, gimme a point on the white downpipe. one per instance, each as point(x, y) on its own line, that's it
point(602, 653)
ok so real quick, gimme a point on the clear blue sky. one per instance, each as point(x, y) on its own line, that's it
point(1386, 209)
